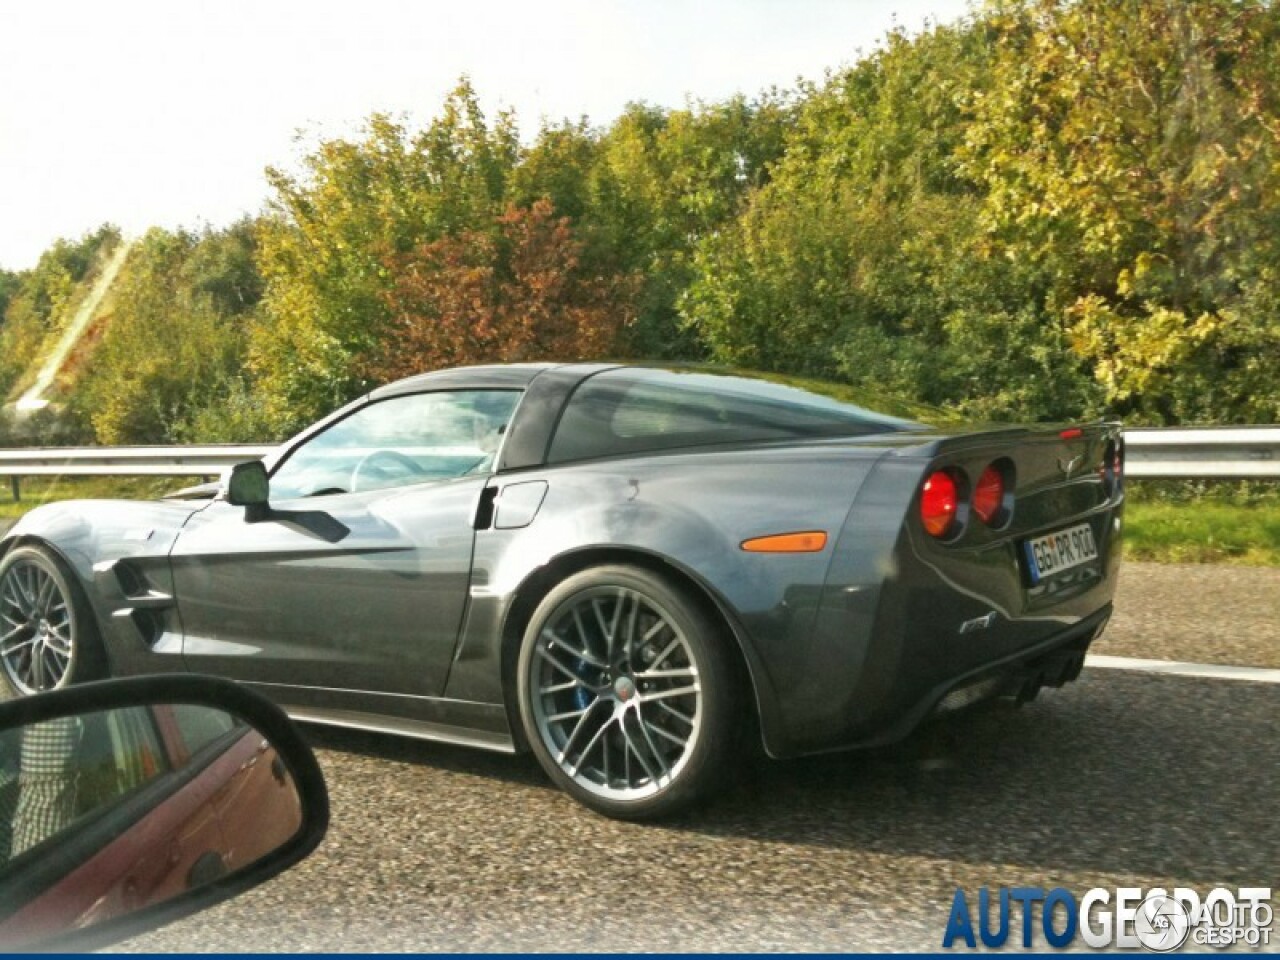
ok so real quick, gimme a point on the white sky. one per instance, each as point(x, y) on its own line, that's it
point(165, 113)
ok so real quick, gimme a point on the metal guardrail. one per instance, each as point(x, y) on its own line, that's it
point(1211, 453)
point(203, 461)
point(1223, 453)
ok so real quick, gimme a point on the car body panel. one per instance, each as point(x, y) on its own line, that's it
point(326, 597)
point(689, 512)
point(119, 553)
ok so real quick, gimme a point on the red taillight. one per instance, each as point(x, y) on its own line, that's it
point(939, 501)
point(988, 495)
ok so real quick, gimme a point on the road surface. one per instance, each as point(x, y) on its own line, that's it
point(1123, 779)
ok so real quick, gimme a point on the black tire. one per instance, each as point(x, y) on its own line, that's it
point(639, 712)
point(32, 564)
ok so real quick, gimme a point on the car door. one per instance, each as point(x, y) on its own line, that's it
point(356, 579)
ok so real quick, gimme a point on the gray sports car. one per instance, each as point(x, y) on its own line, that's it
point(627, 570)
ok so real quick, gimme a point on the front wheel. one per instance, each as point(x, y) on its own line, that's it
point(627, 692)
point(47, 635)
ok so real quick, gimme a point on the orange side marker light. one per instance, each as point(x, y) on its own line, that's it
point(809, 541)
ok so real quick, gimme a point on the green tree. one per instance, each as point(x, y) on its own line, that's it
point(1129, 154)
point(170, 361)
point(664, 181)
point(322, 253)
point(10, 284)
point(40, 300)
point(861, 260)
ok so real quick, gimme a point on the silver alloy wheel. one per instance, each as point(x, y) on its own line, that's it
point(615, 693)
point(36, 644)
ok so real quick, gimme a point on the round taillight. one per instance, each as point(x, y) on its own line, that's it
point(939, 501)
point(988, 495)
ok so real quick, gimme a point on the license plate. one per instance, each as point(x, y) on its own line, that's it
point(1061, 550)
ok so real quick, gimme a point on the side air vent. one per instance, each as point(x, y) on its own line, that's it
point(150, 624)
point(145, 606)
point(131, 580)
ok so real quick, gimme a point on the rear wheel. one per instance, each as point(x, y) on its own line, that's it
point(627, 692)
point(47, 635)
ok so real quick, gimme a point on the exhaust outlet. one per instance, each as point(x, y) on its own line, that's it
point(1030, 689)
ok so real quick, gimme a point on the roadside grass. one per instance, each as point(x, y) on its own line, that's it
point(38, 490)
point(1165, 521)
point(1203, 522)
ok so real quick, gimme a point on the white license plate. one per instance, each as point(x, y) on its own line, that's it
point(1061, 550)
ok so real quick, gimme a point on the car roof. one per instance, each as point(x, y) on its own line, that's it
point(490, 376)
point(559, 379)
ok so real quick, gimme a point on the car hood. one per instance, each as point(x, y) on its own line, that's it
point(88, 532)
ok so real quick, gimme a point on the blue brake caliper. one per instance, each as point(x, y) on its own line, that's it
point(581, 695)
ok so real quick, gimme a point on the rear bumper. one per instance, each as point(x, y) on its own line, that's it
point(1052, 662)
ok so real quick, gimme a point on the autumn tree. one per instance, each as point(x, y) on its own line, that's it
point(517, 293)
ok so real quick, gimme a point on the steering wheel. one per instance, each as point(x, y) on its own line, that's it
point(369, 464)
point(480, 466)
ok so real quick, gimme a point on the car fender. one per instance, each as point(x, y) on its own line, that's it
point(690, 514)
point(118, 552)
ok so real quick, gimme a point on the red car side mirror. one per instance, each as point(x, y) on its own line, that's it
point(127, 804)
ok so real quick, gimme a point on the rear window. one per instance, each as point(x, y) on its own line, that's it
point(630, 410)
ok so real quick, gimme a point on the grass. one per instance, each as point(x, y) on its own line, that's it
point(38, 490)
point(1165, 521)
point(1220, 525)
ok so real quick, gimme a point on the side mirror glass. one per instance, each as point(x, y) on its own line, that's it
point(248, 486)
point(127, 804)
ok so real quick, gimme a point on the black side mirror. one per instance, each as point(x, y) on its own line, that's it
point(248, 486)
point(128, 804)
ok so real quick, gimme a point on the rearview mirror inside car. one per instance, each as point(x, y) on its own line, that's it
point(127, 804)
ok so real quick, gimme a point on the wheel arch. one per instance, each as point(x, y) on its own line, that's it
point(32, 540)
point(538, 584)
point(9, 543)
point(78, 572)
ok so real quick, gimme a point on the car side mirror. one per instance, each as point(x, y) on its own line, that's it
point(128, 804)
point(248, 486)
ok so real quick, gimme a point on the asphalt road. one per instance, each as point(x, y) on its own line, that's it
point(1123, 779)
point(1198, 613)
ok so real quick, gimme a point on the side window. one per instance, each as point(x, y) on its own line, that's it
point(628, 410)
point(398, 441)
